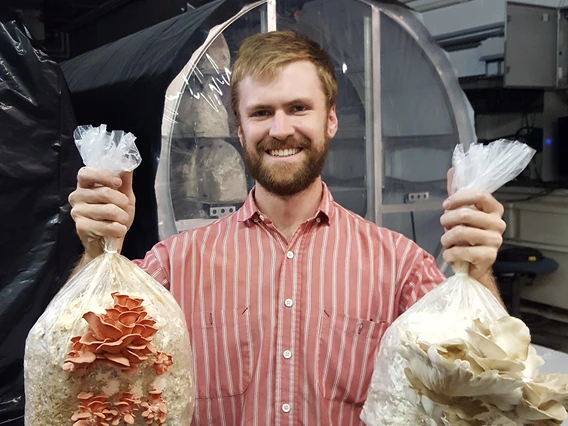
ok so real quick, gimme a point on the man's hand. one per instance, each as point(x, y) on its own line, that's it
point(475, 234)
point(102, 206)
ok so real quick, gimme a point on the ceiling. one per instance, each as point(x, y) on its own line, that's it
point(66, 14)
point(56, 21)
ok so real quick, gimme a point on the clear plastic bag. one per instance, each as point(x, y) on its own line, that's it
point(456, 357)
point(112, 348)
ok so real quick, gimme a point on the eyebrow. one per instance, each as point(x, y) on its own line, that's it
point(257, 107)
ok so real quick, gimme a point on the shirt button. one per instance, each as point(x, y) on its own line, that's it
point(287, 354)
point(289, 255)
point(255, 220)
point(286, 408)
point(261, 217)
point(289, 302)
point(318, 220)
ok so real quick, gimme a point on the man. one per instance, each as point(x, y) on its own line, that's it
point(287, 299)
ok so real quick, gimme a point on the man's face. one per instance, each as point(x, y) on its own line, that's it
point(285, 128)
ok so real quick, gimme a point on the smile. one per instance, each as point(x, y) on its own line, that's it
point(283, 152)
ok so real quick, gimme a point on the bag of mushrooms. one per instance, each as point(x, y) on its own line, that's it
point(112, 347)
point(456, 357)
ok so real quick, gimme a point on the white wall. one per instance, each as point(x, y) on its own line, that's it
point(476, 13)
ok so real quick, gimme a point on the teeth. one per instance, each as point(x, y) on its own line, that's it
point(283, 152)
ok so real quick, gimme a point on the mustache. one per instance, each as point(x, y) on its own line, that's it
point(290, 142)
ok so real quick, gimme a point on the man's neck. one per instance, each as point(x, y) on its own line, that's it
point(288, 213)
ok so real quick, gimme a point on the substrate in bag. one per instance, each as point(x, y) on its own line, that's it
point(112, 348)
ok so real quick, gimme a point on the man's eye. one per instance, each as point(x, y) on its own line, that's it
point(298, 108)
point(260, 113)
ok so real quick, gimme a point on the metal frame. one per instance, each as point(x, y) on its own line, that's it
point(403, 17)
point(460, 108)
point(271, 11)
point(374, 131)
point(407, 19)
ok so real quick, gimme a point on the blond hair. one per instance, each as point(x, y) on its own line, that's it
point(266, 55)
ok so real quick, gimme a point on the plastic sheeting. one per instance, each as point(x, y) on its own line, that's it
point(38, 165)
point(123, 85)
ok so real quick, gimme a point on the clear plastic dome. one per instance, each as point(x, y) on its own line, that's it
point(400, 109)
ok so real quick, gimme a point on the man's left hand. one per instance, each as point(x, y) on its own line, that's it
point(475, 234)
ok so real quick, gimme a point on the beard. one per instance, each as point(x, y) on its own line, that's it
point(286, 179)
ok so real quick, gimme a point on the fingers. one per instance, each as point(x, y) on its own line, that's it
point(98, 195)
point(100, 212)
point(126, 181)
point(102, 206)
point(481, 257)
point(89, 177)
point(90, 230)
point(474, 228)
point(468, 236)
point(473, 218)
point(481, 200)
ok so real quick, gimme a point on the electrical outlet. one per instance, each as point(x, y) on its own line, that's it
point(220, 211)
point(416, 197)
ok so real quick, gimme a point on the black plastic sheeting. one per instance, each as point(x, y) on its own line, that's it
point(123, 84)
point(38, 165)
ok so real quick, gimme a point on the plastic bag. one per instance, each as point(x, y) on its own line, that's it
point(456, 357)
point(112, 348)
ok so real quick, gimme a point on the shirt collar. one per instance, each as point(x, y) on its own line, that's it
point(249, 210)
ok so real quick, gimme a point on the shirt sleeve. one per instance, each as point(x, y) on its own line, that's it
point(424, 276)
point(156, 264)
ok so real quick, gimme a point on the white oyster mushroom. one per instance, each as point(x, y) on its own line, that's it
point(433, 409)
point(540, 393)
point(543, 402)
point(501, 365)
point(532, 364)
point(454, 378)
point(489, 377)
point(551, 410)
point(501, 345)
point(483, 417)
point(504, 403)
point(513, 336)
point(555, 382)
point(485, 346)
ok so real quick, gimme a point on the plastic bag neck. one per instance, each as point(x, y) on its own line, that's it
point(461, 269)
point(110, 245)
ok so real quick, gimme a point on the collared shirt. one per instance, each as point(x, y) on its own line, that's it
point(286, 332)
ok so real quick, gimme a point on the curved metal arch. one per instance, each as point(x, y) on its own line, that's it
point(166, 217)
point(461, 108)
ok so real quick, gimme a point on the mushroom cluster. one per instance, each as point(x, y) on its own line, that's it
point(120, 338)
point(489, 377)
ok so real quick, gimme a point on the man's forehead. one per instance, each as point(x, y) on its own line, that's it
point(263, 79)
point(274, 73)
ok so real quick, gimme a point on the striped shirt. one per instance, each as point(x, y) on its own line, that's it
point(286, 332)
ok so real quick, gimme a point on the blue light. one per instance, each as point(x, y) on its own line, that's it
point(548, 141)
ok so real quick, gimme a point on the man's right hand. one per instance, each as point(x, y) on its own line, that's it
point(102, 206)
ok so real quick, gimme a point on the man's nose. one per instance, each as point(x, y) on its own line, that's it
point(281, 126)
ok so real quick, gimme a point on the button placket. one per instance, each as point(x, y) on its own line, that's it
point(286, 364)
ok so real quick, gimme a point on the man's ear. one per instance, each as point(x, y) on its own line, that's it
point(332, 122)
point(240, 134)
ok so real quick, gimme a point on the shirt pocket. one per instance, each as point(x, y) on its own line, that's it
point(347, 348)
point(222, 344)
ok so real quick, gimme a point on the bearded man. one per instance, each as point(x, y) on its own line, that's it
point(287, 299)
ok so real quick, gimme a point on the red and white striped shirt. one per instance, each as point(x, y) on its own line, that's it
point(286, 332)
